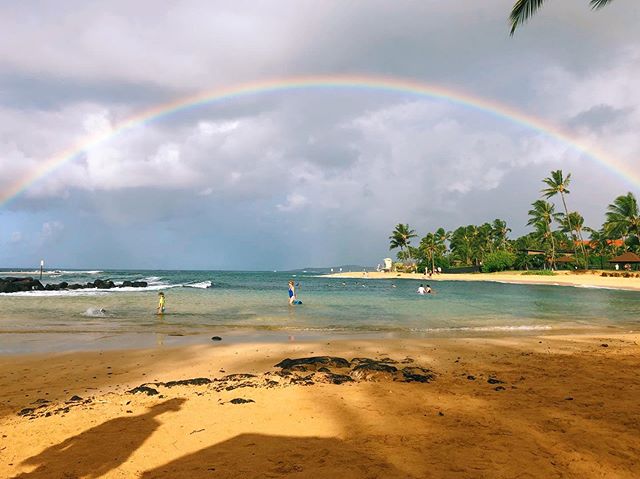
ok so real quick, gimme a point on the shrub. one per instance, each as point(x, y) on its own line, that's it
point(498, 261)
point(541, 272)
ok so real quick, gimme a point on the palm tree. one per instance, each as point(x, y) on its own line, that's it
point(462, 243)
point(558, 185)
point(433, 245)
point(524, 9)
point(623, 219)
point(400, 238)
point(575, 222)
point(541, 217)
point(499, 232)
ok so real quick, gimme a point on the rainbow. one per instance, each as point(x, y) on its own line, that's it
point(373, 83)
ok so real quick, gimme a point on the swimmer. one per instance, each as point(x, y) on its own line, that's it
point(421, 290)
point(292, 292)
point(160, 302)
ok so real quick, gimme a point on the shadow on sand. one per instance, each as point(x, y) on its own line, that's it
point(100, 449)
point(253, 456)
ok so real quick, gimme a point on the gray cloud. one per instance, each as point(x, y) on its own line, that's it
point(290, 178)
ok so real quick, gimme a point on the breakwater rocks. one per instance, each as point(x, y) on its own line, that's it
point(17, 285)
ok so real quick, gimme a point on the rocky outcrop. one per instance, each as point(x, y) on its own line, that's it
point(17, 285)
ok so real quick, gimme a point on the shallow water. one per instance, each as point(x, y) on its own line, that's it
point(254, 305)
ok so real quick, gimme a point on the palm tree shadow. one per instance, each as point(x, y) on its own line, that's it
point(100, 449)
point(258, 456)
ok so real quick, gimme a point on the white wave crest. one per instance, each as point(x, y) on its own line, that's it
point(95, 313)
point(201, 285)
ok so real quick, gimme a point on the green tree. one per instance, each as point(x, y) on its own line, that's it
point(461, 243)
point(575, 222)
point(433, 245)
point(498, 261)
point(558, 184)
point(524, 9)
point(623, 219)
point(401, 238)
point(499, 234)
point(541, 216)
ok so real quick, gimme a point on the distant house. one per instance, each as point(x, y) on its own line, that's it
point(388, 265)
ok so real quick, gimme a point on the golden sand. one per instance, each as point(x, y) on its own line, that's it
point(565, 406)
point(561, 278)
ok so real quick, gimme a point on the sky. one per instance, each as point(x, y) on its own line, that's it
point(305, 177)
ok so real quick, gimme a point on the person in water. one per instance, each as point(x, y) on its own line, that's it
point(292, 292)
point(423, 290)
point(160, 302)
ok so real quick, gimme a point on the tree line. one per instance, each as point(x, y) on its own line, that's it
point(556, 238)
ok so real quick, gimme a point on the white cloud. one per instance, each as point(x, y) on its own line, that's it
point(295, 201)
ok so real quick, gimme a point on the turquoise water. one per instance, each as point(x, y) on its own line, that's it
point(254, 305)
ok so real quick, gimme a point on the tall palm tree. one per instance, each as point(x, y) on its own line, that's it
point(462, 243)
point(558, 184)
point(541, 216)
point(433, 245)
point(575, 222)
point(524, 9)
point(623, 219)
point(499, 234)
point(401, 238)
point(429, 244)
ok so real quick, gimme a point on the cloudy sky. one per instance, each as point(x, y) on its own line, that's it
point(306, 177)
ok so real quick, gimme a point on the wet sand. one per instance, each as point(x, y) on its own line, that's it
point(561, 278)
point(546, 406)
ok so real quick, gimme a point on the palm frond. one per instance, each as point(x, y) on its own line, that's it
point(522, 10)
point(597, 4)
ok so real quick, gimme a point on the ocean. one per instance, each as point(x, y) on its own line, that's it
point(253, 306)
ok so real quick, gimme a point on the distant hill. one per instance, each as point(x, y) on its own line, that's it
point(336, 269)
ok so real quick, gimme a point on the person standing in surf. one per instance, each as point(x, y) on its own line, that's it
point(292, 292)
point(160, 302)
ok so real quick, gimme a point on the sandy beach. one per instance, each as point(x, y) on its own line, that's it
point(535, 406)
point(561, 278)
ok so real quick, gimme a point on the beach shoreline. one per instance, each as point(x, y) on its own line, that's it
point(561, 278)
point(564, 404)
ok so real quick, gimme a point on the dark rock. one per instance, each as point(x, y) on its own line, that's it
point(18, 285)
point(374, 371)
point(186, 382)
point(568, 398)
point(604, 345)
point(145, 390)
point(499, 388)
point(63, 285)
point(74, 399)
point(26, 411)
point(493, 380)
point(324, 370)
point(471, 378)
point(440, 413)
point(75, 286)
point(238, 377)
point(216, 338)
point(241, 401)
point(313, 363)
point(139, 284)
point(417, 374)
point(127, 284)
point(358, 361)
point(332, 378)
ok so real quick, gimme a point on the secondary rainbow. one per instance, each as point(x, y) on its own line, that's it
point(376, 83)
